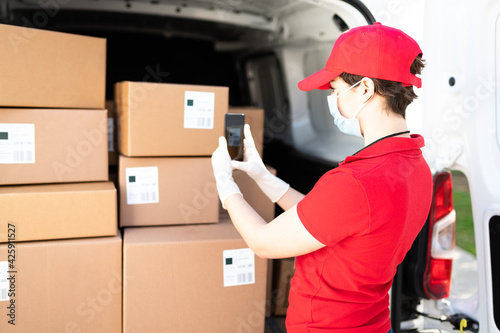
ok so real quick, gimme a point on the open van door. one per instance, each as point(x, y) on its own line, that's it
point(459, 105)
point(461, 125)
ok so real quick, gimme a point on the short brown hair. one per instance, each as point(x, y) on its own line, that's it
point(397, 96)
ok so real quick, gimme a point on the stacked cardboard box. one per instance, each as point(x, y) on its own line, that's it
point(50, 69)
point(52, 146)
point(283, 272)
point(62, 286)
point(166, 135)
point(200, 273)
point(200, 278)
point(57, 133)
point(53, 186)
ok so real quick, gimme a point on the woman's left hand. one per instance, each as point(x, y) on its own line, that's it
point(223, 171)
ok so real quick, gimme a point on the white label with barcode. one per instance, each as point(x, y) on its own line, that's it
point(111, 130)
point(239, 267)
point(17, 143)
point(142, 185)
point(199, 109)
point(4, 283)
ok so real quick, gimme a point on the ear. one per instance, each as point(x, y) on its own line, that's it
point(367, 88)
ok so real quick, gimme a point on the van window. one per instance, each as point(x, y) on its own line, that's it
point(265, 84)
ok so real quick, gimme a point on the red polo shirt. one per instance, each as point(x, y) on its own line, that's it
point(367, 212)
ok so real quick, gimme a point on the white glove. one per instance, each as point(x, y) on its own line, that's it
point(271, 185)
point(223, 171)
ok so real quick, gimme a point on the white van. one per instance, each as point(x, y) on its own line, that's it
point(261, 49)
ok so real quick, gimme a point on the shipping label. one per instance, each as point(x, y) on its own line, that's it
point(4, 283)
point(239, 267)
point(199, 109)
point(17, 143)
point(142, 185)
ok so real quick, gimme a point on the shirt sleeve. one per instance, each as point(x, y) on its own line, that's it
point(336, 208)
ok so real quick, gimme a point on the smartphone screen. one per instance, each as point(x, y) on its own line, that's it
point(234, 123)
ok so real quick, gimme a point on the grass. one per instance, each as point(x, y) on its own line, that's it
point(465, 224)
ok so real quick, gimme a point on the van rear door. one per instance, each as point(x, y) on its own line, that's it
point(461, 124)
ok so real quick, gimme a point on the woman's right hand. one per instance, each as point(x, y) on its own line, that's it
point(252, 162)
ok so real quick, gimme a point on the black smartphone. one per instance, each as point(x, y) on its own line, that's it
point(233, 127)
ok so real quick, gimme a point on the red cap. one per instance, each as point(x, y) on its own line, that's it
point(376, 51)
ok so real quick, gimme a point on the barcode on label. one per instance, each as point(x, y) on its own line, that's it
point(23, 156)
point(4, 289)
point(148, 196)
point(204, 122)
point(243, 278)
point(4, 284)
point(3, 296)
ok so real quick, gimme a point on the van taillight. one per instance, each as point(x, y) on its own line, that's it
point(437, 276)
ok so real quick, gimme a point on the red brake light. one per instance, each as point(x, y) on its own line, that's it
point(443, 196)
point(437, 276)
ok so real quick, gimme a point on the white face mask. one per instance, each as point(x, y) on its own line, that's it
point(345, 125)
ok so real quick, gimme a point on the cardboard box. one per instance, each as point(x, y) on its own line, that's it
point(51, 69)
point(53, 146)
point(283, 273)
point(269, 289)
point(167, 190)
point(63, 286)
point(158, 119)
point(58, 211)
point(179, 277)
point(112, 142)
point(255, 118)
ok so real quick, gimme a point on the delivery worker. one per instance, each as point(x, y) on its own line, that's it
point(354, 228)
